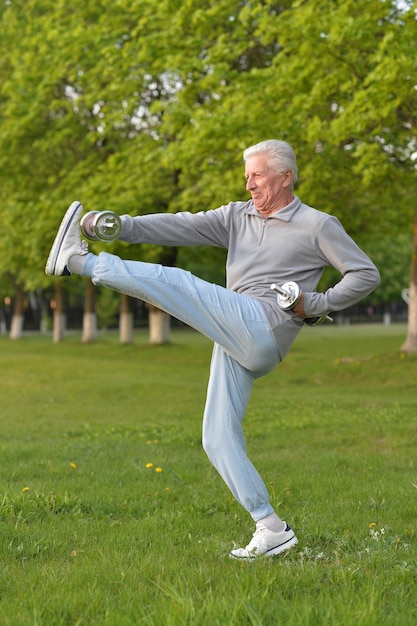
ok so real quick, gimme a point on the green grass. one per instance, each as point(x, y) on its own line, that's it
point(91, 536)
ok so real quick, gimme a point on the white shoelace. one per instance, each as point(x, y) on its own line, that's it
point(84, 247)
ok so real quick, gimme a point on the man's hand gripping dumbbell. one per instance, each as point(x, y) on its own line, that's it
point(289, 296)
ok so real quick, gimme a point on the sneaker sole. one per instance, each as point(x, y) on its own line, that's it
point(67, 220)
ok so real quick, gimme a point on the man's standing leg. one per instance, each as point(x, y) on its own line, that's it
point(228, 394)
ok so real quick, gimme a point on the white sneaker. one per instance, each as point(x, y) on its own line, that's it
point(67, 242)
point(266, 543)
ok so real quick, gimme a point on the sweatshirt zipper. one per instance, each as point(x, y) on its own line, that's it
point(264, 221)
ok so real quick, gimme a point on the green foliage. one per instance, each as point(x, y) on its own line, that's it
point(397, 249)
point(147, 106)
point(93, 534)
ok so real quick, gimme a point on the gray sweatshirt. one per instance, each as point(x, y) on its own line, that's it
point(295, 243)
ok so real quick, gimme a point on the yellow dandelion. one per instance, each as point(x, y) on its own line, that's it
point(158, 469)
point(372, 525)
point(75, 553)
point(156, 440)
point(25, 488)
point(148, 443)
point(73, 465)
point(149, 465)
point(167, 488)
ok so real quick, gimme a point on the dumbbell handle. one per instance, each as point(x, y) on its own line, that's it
point(280, 290)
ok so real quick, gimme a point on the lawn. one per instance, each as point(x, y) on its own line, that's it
point(111, 514)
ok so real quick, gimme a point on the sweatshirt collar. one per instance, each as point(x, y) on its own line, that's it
point(285, 214)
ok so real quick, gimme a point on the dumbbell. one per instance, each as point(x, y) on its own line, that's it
point(103, 225)
point(289, 295)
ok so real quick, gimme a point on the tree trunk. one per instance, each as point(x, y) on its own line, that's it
point(43, 310)
point(60, 319)
point(16, 328)
point(159, 326)
point(126, 319)
point(90, 315)
point(3, 325)
point(410, 344)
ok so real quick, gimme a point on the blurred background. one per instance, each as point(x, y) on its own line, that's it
point(147, 105)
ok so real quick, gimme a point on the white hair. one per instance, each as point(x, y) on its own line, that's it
point(281, 156)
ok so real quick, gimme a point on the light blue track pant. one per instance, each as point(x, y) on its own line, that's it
point(244, 350)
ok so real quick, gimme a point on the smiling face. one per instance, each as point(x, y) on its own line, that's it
point(270, 190)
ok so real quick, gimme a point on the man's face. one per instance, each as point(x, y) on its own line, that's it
point(270, 190)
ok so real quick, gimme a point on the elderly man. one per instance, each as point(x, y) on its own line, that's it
point(272, 238)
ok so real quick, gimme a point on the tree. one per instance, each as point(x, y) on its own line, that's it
point(410, 344)
point(90, 315)
point(63, 113)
